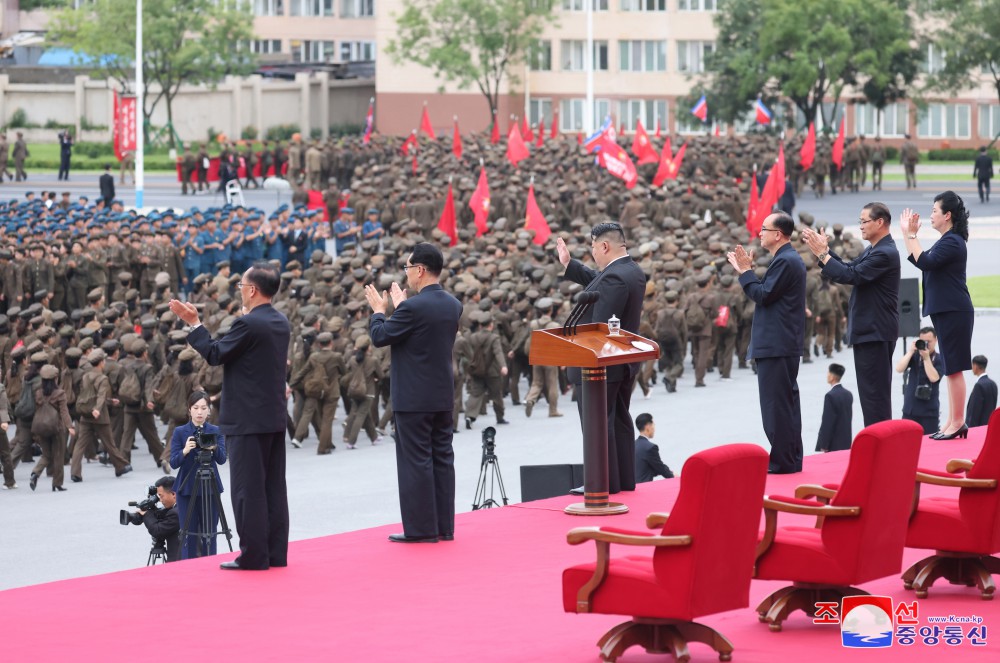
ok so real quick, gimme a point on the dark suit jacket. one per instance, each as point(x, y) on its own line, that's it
point(107, 182)
point(622, 286)
point(943, 278)
point(873, 310)
point(422, 332)
point(186, 465)
point(648, 464)
point(300, 244)
point(779, 317)
point(835, 428)
point(983, 169)
point(982, 402)
point(253, 356)
point(165, 525)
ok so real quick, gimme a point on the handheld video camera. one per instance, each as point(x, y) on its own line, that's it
point(205, 441)
point(126, 517)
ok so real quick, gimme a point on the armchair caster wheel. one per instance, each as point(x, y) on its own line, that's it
point(774, 627)
point(761, 617)
point(725, 657)
point(921, 593)
point(907, 585)
point(987, 596)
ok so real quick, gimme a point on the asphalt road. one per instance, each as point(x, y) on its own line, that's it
point(46, 536)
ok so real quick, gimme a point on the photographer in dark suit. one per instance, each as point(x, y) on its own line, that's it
point(776, 337)
point(253, 414)
point(648, 464)
point(164, 525)
point(622, 286)
point(421, 334)
point(873, 314)
point(983, 399)
point(922, 381)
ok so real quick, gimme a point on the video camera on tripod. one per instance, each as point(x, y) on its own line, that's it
point(205, 443)
point(133, 518)
point(489, 473)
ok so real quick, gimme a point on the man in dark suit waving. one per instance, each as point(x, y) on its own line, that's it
point(622, 286)
point(776, 335)
point(421, 334)
point(983, 399)
point(873, 313)
point(254, 410)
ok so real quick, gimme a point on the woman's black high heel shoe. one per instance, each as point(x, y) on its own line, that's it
point(59, 489)
point(962, 432)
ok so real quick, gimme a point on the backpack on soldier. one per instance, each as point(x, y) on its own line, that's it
point(479, 361)
point(694, 316)
point(175, 395)
point(25, 408)
point(315, 382)
point(357, 385)
point(46, 420)
point(130, 391)
point(86, 398)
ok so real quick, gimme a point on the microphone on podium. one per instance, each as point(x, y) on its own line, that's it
point(584, 301)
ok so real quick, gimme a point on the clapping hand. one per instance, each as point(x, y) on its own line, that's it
point(909, 221)
point(185, 311)
point(740, 259)
point(398, 294)
point(378, 302)
point(817, 242)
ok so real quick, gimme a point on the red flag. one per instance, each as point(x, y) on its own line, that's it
point(779, 171)
point(617, 162)
point(495, 131)
point(369, 121)
point(579, 138)
point(753, 213)
point(534, 220)
point(480, 203)
point(456, 141)
point(410, 142)
point(621, 129)
point(717, 134)
point(413, 165)
point(516, 149)
point(657, 127)
point(838, 147)
point(541, 133)
point(526, 131)
point(808, 152)
point(670, 167)
point(769, 196)
point(425, 124)
point(447, 223)
point(641, 147)
point(555, 124)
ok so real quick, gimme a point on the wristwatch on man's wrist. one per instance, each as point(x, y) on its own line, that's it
point(821, 257)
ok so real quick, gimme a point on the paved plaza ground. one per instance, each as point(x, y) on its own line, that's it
point(47, 536)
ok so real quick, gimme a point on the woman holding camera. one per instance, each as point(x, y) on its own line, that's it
point(191, 447)
point(946, 297)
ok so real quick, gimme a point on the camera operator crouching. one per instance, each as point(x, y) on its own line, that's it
point(922, 368)
point(163, 525)
point(193, 445)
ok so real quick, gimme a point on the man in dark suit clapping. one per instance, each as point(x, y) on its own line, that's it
point(421, 334)
point(873, 313)
point(983, 399)
point(622, 286)
point(776, 335)
point(253, 415)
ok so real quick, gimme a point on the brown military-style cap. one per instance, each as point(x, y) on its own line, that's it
point(49, 372)
point(96, 356)
point(95, 294)
point(39, 357)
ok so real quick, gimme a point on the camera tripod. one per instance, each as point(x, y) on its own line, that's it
point(157, 553)
point(490, 466)
point(206, 491)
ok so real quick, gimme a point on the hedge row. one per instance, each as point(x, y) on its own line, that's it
point(955, 154)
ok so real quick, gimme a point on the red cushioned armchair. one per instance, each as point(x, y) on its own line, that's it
point(964, 530)
point(701, 564)
point(859, 531)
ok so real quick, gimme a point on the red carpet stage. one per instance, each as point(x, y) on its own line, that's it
point(494, 594)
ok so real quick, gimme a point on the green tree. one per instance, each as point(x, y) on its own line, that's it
point(470, 42)
point(184, 42)
point(809, 51)
point(968, 38)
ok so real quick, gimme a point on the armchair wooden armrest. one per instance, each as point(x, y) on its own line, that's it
point(955, 482)
point(603, 540)
point(812, 491)
point(657, 520)
point(772, 505)
point(956, 465)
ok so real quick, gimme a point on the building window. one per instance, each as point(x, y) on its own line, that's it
point(648, 111)
point(581, 5)
point(540, 55)
point(571, 114)
point(642, 55)
point(696, 5)
point(312, 7)
point(573, 51)
point(540, 109)
point(893, 123)
point(357, 8)
point(644, 5)
point(357, 51)
point(265, 46)
point(305, 50)
point(944, 121)
point(934, 61)
point(269, 7)
point(989, 120)
point(691, 55)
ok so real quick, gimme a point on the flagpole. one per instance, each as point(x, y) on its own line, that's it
point(527, 91)
point(140, 171)
point(588, 63)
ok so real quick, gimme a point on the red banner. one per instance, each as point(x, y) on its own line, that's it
point(125, 126)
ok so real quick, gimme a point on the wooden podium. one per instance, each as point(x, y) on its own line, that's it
point(591, 348)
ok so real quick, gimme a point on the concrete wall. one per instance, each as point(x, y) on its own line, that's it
point(309, 101)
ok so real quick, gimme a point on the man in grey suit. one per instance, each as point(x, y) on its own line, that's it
point(776, 335)
point(421, 334)
point(253, 355)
